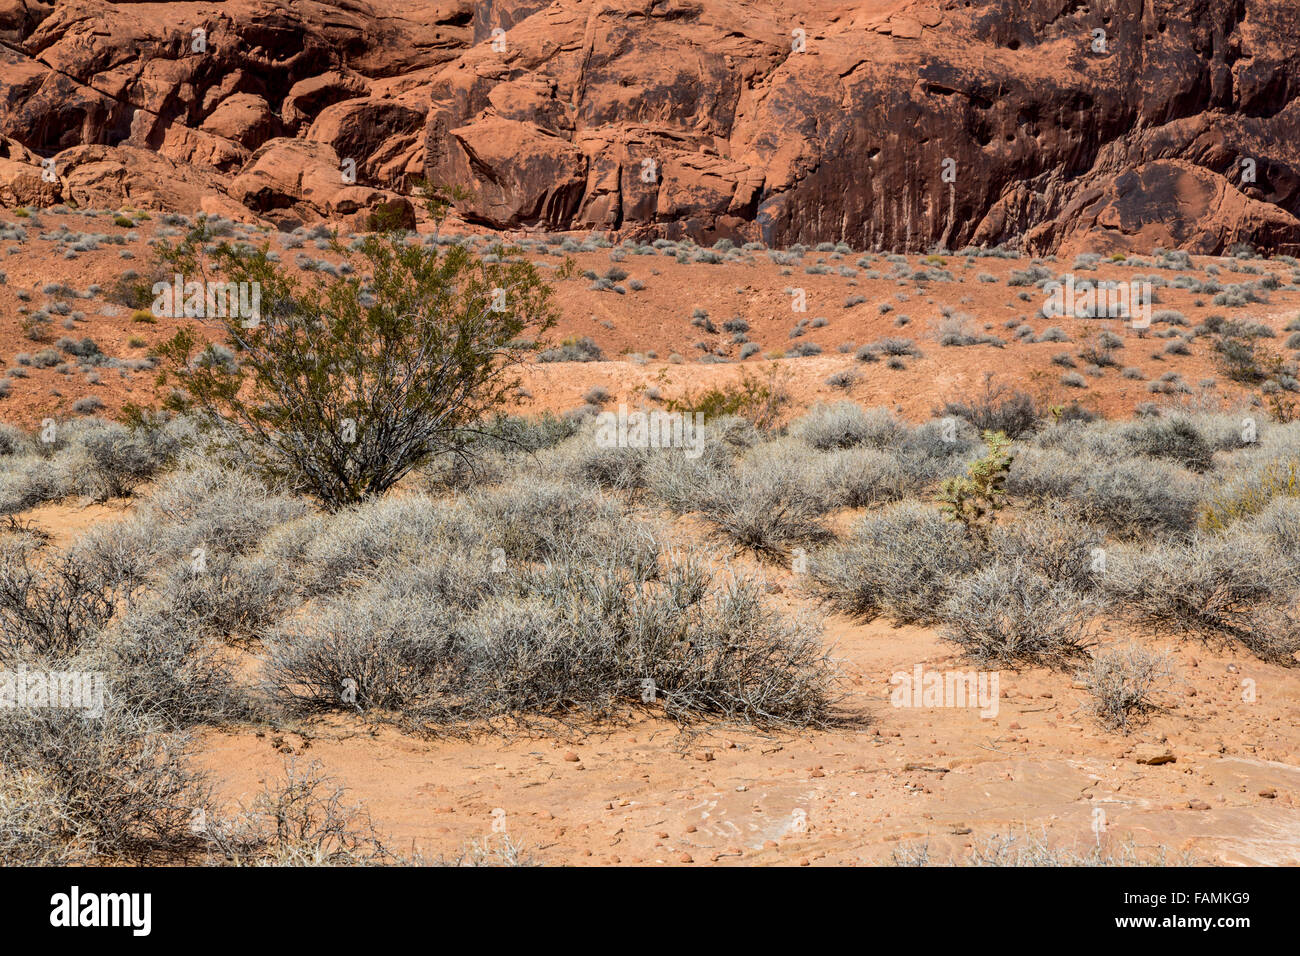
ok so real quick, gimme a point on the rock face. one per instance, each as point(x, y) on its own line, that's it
point(295, 181)
point(23, 178)
point(880, 123)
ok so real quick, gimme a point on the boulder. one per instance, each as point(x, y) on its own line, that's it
point(379, 134)
point(111, 177)
point(243, 118)
point(365, 209)
point(287, 173)
point(516, 173)
point(1153, 754)
point(308, 97)
point(1170, 204)
point(23, 179)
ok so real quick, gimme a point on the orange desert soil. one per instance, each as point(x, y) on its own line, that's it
point(651, 793)
point(658, 319)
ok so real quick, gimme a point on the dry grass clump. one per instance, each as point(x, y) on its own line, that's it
point(1008, 615)
point(1227, 587)
point(501, 851)
point(901, 562)
point(1125, 684)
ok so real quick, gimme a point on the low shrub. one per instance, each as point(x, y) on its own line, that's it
point(1052, 543)
point(161, 665)
point(1125, 685)
point(582, 640)
point(998, 408)
point(1224, 587)
point(1009, 615)
point(772, 502)
point(760, 400)
point(847, 425)
point(50, 604)
point(114, 788)
point(861, 477)
point(1129, 497)
point(901, 562)
point(1173, 439)
point(1246, 495)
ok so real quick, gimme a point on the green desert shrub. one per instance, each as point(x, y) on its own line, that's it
point(344, 385)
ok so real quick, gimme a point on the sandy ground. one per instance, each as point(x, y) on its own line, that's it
point(888, 777)
point(946, 778)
